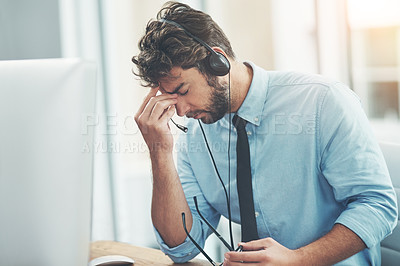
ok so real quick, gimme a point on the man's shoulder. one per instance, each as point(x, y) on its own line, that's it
point(295, 78)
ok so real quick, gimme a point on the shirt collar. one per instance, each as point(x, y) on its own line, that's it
point(253, 105)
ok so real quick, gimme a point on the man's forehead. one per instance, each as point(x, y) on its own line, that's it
point(174, 73)
point(171, 89)
point(170, 78)
point(170, 83)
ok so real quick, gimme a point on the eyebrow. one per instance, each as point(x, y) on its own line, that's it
point(176, 90)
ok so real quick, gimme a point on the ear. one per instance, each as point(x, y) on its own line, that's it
point(219, 50)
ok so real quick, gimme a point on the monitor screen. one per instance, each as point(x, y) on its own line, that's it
point(45, 170)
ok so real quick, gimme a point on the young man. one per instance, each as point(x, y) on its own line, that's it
point(322, 194)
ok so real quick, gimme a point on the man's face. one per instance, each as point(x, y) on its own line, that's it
point(198, 97)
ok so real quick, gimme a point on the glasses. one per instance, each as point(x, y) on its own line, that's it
point(229, 247)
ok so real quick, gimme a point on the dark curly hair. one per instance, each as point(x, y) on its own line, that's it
point(165, 46)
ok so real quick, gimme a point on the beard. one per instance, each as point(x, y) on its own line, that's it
point(219, 101)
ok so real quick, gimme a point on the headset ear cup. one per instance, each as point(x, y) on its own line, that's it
point(218, 64)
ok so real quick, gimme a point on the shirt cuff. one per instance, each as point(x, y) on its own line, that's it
point(365, 221)
point(183, 252)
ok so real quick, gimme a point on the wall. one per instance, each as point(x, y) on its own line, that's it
point(29, 29)
point(247, 26)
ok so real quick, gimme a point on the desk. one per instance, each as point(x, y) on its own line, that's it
point(141, 255)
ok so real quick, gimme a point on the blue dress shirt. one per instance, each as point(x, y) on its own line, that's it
point(314, 163)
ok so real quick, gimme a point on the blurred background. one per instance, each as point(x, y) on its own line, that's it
point(354, 41)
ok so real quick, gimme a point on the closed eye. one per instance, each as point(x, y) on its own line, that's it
point(183, 93)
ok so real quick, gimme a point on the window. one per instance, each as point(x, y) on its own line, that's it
point(374, 28)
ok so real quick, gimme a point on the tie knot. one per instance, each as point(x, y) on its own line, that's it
point(238, 122)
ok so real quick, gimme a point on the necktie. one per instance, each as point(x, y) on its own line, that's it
point(244, 186)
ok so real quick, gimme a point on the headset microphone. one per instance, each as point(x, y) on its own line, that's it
point(183, 128)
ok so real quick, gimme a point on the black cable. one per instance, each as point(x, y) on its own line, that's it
point(219, 176)
point(229, 158)
point(228, 197)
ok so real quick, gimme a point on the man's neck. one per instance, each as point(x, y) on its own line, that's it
point(241, 78)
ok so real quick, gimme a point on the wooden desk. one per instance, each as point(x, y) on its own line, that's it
point(141, 255)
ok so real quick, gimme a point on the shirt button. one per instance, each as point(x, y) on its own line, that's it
point(249, 133)
point(256, 119)
point(257, 214)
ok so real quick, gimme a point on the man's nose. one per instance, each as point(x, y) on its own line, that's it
point(182, 108)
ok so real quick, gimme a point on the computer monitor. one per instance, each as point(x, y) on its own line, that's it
point(45, 163)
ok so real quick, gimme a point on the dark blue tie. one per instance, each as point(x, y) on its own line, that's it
point(244, 186)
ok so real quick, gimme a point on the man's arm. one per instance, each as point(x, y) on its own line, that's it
point(339, 244)
point(354, 167)
point(168, 200)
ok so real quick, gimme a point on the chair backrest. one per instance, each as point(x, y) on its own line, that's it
point(391, 245)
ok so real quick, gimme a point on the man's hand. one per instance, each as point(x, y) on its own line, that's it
point(152, 119)
point(263, 252)
point(337, 245)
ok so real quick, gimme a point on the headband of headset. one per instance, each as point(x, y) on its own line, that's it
point(217, 64)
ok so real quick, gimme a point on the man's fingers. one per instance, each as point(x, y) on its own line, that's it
point(156, 105)
point(258, 244)
point(239, 263)
point(168, 114)
point(159, 108)
point(246, 256)
point(253, 252)
point(151, 94)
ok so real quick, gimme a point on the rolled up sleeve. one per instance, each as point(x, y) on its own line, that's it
point(185, 251)
point(353, 164)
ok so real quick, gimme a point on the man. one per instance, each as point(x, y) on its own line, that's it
point(321, 190)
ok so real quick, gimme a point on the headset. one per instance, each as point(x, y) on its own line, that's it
point(217, 63)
